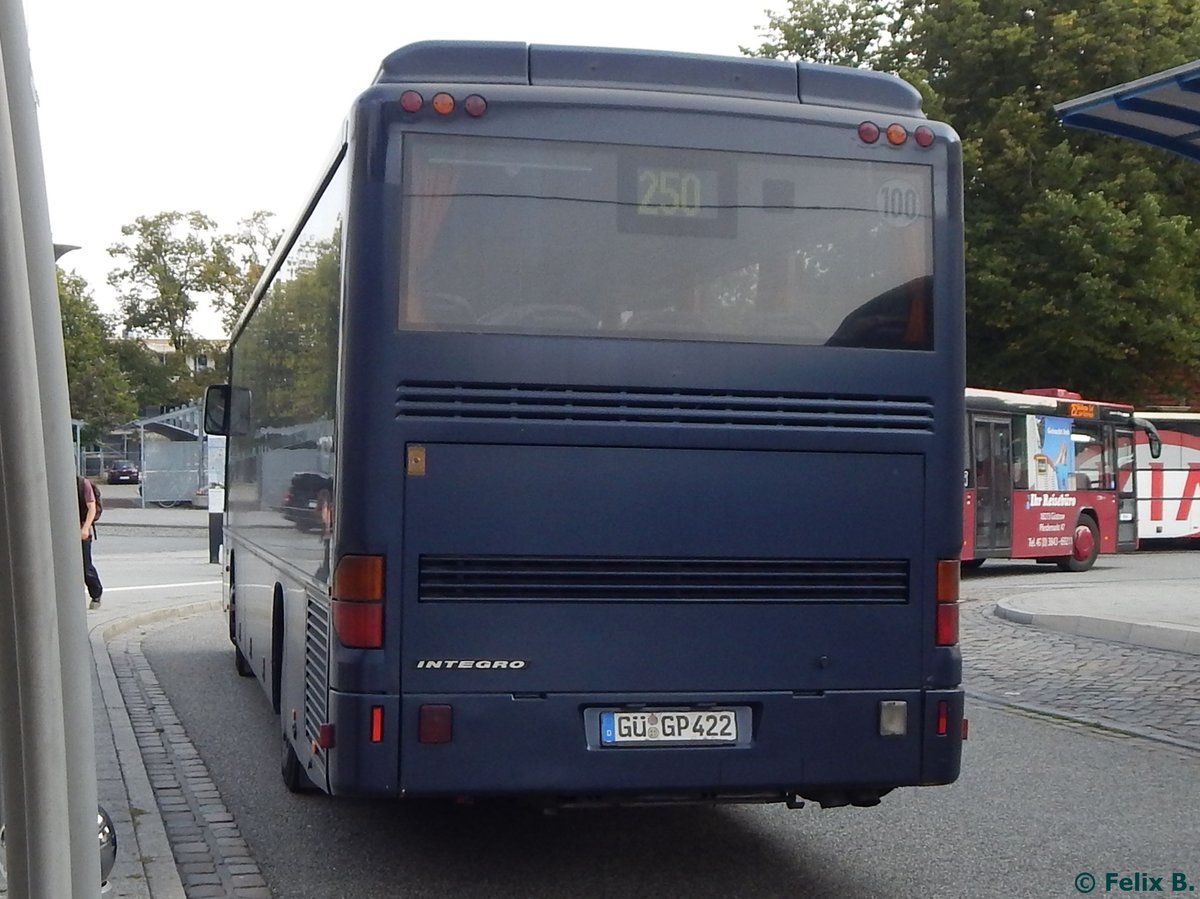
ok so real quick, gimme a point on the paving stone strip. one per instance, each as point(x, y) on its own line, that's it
point(212, 858)
point(1151, 693)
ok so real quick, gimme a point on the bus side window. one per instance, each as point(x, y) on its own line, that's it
point(1002, 453)
point(1091, 465)
point(1020, 468)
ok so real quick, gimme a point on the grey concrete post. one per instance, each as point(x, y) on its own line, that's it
point(49, 755)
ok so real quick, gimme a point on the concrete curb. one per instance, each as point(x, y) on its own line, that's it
point(1151, 636)
point(145, 863)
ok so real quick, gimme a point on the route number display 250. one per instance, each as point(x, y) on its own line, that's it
point(690, 193)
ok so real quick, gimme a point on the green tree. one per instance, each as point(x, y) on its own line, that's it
point(99, 391)
point(837, 32)
point(157, 380)
point(168, 266)
point(239, 260)
point(290, 351)
point(1083, 260)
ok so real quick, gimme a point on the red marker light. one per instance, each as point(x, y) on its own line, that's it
point(475, 105)
point(411, 101)
point(443, 104)
point(896, 134)
point(868, 132)
point(924, 136)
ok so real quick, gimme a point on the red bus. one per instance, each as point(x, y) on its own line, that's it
point(1048, 476)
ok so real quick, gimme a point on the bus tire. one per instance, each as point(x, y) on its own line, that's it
point(295, 778)
point(1085, 545)
point(277, 651)
point(241, 663)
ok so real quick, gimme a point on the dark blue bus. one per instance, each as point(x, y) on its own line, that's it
point(593, 436)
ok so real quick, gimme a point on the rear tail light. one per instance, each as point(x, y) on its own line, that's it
point(357, 593)
point(947, 625)
point(946, 613)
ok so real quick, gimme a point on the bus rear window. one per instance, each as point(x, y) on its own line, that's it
point(543, 237)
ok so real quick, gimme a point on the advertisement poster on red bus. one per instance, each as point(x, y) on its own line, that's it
point(1066, 466)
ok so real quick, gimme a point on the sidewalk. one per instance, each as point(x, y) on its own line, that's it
point(152, 517)
point(1162, 615)
point(145, 866)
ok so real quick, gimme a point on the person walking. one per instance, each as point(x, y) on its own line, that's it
point(87, 518)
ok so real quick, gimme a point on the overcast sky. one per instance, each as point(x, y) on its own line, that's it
point(230, 106)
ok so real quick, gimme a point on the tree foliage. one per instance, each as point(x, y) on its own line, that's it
point(835, 32)
point(157, 380)
point(289, 353)
point(100, 393)
point(1083, 259)
point(168, 264)
point(239, 260)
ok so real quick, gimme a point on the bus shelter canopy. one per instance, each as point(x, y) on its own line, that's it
point(1162, 110)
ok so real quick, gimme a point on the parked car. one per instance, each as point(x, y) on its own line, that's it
point(123, 473)
point(306, 503)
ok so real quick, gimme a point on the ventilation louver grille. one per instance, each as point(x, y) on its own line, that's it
point(316, 667)
point(447, 401)
point(614, 579)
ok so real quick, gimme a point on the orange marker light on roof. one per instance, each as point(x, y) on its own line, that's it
point(443, 103)
point(475, 105)
point(896, 134)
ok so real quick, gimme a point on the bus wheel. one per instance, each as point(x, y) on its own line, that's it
point(242, 663)
point(1085, 547)
point(295, 778)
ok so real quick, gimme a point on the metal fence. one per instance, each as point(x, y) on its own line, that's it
point(172, 471)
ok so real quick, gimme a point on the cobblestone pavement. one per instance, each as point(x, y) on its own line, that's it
point(210, 855)
point(1147, 692)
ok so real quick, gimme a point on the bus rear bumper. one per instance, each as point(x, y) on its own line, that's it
point(824, 746)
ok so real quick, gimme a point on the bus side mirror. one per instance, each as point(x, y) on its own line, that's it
point(226, 410)
point(1152, 438)
point(216, 410)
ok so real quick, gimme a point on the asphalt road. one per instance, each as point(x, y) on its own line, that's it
point(1040, 802)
